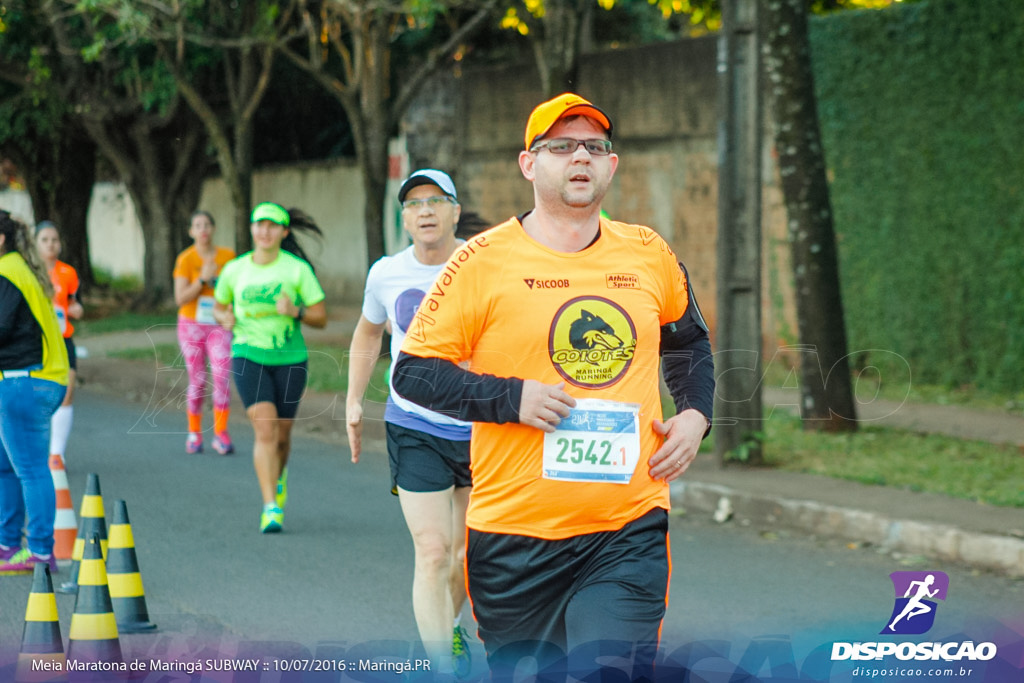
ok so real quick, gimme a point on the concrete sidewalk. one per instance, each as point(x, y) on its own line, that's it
point(894, 520)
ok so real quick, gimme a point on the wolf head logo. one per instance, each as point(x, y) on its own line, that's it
point(591, 332)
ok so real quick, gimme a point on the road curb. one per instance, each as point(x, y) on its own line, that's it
point(993, 552)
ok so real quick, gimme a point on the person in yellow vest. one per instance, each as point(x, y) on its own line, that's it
point(33, 380)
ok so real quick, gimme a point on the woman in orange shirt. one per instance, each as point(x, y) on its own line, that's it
point(200, 337)
point(64, 279)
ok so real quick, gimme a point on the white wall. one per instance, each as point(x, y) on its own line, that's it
point(330, 192)
point(115, 238)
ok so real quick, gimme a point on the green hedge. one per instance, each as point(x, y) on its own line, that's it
point(922, 115)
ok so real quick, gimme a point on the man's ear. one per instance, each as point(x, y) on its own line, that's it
point(526, 163)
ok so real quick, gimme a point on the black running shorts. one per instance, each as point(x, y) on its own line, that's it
point(282, 385)
point(570, 602)
point(423, 463)
point(72, 354)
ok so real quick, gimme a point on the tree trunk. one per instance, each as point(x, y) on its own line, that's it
point(739, 430)
point(371, 137)
point(364, 89)
point(162, 163)
point(557, 51)
point(826, 392)
point(59, 175)
point(244, 200)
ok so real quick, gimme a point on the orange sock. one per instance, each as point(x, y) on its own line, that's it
point(220, 420)
point(195, 423)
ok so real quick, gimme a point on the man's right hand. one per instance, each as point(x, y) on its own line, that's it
point(544, 405)
point(354, 427)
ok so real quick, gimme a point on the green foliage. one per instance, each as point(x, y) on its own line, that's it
point(974, 470)
point(751, 442)
point(119, 284)
point(922, 113)
point(129, 322)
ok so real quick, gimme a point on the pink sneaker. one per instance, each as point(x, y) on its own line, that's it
point(193, 444)
point(222, 444)
point(23, 561)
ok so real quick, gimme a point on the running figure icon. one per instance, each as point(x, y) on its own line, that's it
point(919, 591)
point(915, 607)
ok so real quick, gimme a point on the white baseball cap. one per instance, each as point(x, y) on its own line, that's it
point(428, 176)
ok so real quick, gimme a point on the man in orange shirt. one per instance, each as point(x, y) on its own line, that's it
point(564, 318)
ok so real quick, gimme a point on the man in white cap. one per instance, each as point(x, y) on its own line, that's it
point(428, 452)
point(564, 317)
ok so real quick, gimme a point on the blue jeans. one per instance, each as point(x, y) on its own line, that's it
point(26, 485)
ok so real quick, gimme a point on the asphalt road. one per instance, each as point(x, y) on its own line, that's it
point(337, 581)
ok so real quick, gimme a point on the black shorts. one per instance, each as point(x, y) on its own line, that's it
point(423, 463)
point(282, 385)
point(569, 602)
point(72, 354)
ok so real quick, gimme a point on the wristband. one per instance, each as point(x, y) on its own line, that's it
point(301, 314)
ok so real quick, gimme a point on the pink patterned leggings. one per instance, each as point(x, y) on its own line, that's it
point(198, 343)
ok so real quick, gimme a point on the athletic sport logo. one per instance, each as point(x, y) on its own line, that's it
point(591, 342)
point(916, 592)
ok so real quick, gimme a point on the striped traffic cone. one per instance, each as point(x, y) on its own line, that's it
point(93, 633)
point(42, 650)
point(64, 525)
point(123, 578)
point(91, 522)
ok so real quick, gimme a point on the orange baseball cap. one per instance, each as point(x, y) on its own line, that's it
point(548, 113)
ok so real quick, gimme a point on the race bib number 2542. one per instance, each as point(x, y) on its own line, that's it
point(598, 442)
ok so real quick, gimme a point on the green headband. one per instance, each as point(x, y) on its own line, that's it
point(269, 211)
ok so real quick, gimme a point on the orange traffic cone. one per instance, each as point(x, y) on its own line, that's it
point(93, 637)
point(123, 577)
point(42, 650)
point(65, 527)
point(92, 522)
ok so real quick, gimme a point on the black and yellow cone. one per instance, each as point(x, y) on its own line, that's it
point(42, 650)
point(123, 576)
point(90, 522)
point(93, 634)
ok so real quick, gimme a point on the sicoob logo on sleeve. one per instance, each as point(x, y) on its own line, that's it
point(592, 342)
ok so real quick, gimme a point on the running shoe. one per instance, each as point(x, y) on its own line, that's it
point(193, 444)
point(271, 521)
point(7, 553)
point(282, 488)
point(462, 658)
point(222, 444)
point(24, 561)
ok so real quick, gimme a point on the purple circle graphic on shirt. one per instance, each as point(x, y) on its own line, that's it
point(405, 307)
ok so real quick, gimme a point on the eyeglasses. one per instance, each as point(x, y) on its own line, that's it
point(596, 146)
point(432, 202)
